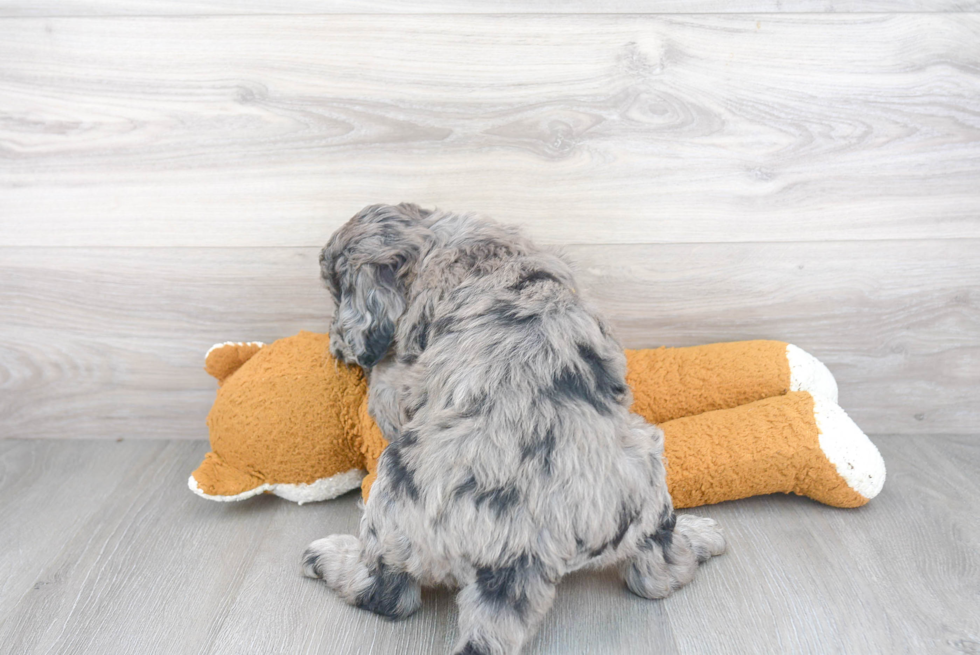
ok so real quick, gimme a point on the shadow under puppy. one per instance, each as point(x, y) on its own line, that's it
point(513, 456)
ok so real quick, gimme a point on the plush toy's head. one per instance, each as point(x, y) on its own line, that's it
point(288, 419)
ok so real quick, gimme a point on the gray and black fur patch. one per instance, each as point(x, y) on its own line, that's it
point(499, 499)
point(664, 534)
point(532, 278)
point(380, 334)
point(310, 561)
point(607, 383)
point(408, 438)
point(627, 517)
point(509, 315)
point(377, 340)
point(504, 587)
point(443, 325)
point(604, 389)
point(472, 649)
point(541, 449)
point(418, 341)
point(421, 335)
point(473, 406)
point(466, 488)
point(402, 478)
point(413, 409)
point(385, 593)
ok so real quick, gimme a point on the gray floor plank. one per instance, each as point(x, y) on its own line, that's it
point(41, 479)
point(144, 566)
point(271, 130)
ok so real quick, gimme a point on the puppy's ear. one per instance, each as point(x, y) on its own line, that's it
point(367, 265)
point(370, 310)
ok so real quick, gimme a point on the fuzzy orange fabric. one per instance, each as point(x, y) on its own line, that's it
point(769, 446)
point(670, 383)
point(289, 414)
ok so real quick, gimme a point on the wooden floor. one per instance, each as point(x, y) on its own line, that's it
point(104, 550)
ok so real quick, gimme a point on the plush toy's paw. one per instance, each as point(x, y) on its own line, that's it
point(856, 459)
point(216, 480)
point(807, 373)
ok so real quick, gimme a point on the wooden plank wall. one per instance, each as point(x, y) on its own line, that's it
point(169, 170)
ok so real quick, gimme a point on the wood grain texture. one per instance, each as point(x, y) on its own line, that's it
point(109, 342)
point(139, 564)
point(43, 476)
point(238, 7)
point(271, 130)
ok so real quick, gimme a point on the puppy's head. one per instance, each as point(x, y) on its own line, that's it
point(367, 265)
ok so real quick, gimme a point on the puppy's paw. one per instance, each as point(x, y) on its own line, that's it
point(331, 557)
point(705, 535)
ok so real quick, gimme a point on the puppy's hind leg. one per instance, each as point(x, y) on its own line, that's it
point(338, 561)
point(669, 556)
point(501, 609)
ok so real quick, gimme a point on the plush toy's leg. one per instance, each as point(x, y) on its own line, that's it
point(807, 373)
point(796, 443)
point(670, 383)
point(500, 610)
point(338, 560)
point(669, 558)
point(215, 479)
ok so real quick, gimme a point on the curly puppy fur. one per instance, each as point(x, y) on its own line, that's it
point(513, 456)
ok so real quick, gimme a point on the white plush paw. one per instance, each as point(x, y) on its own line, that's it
point(807, 373)
point(856, 459)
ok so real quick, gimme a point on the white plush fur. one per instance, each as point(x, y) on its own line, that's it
point(856, 459)
point(807, 373)
point(233, 343)
point(322, 489)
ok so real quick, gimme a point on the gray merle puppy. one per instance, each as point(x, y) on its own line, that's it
point(513, 456)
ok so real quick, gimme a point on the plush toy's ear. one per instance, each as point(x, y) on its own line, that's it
point(225, 358)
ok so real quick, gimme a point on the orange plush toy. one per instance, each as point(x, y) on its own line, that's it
point(740, 419)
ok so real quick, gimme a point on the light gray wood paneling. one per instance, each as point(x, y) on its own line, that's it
point(148, 567)
point(110, 342)
point(272, 130)
point(238, 7)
